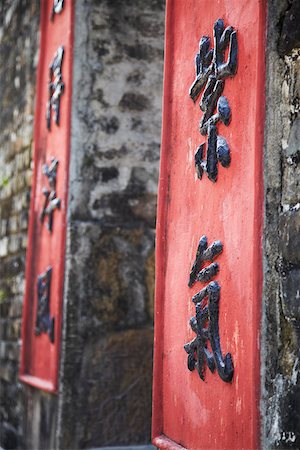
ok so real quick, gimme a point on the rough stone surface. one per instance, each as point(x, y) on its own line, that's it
point(281, 318)
point(289, 38)
point(106, 366)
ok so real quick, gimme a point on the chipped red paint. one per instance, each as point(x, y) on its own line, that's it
point(40, 357)
point(188, 412)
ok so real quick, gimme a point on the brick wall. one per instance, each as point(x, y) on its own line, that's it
point(106, 364)
point(18, 53)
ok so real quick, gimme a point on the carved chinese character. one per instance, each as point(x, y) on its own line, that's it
point(44, 322)
point(211, 71)
point(57, 7)
point(205, 323)
point(56, 87)
point(51, 201)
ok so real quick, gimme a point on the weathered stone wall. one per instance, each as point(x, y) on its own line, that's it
point(106, 368)
point(281, 315)
point(18, 57)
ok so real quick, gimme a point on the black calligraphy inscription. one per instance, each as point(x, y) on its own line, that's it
point(44, 322)
point(211, 71)
point(51, 201)
point(205, 323)
point(57, 7)
point(56, 87)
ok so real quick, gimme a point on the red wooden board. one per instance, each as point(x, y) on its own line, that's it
point(39, 364)
point(187, 411)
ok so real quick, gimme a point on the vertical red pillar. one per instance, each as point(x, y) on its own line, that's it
point(42, 311)
point(209, 228)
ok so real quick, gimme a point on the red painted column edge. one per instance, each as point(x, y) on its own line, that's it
point(157, 412)
point(258, 218)
point(35, 381)
point(29, 252)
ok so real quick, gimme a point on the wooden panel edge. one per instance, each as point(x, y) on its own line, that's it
point(46, 386)
point(163, 442)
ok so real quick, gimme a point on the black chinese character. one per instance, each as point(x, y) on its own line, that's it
point(44, 322)
point(56, 87)
point(57, 7)
point(212, 70)
point(206, 321)
point(51, 201)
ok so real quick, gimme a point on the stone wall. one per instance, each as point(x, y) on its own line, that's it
point(106, 368)
point(281, 319)
point(18, 53)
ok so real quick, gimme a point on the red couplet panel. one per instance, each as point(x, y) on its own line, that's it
point(206, 368)
point(42, 312)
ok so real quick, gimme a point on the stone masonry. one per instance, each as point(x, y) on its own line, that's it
point(281, 312)
point(18, 53)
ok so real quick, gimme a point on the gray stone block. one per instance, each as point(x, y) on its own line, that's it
point(290, 236)
point(291, 295)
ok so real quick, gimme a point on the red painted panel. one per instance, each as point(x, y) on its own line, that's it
point(187, 411)
point(40, 356)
